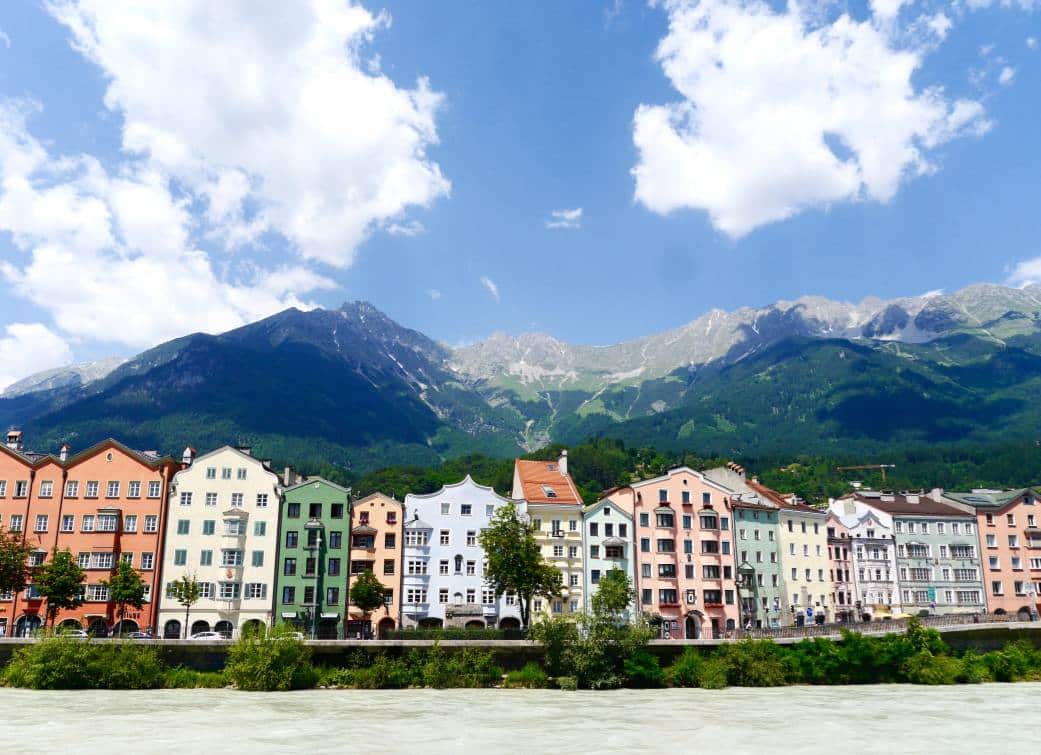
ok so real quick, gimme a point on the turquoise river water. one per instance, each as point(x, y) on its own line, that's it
point(989, 718)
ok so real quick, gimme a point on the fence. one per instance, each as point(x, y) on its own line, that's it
point(877, 627)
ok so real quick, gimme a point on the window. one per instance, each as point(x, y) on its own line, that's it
point(471, 568)
point(129, 523)
point(46, 489)
point(332, 596)
point(665, 519)
point(230, 590)
point(180, 557)
point(42, 521)
point(442, 595)
point(667, 596)
point(86, 525)
point(16, 523)
point(112, 491)
point(388, 566)
point(466, 509)
point(645, 519)
point(288, 594)
point(206, 590)
point(992, 541)
point(708, 522)
point(236, 500)
point(446, 508)
point(594, 576)
point(293, 510)
point(234, 527)
point(314, 510)
point(211, 473)
point(231, 557)
point(668, 571)
point(417, 567)
point(72, 489)
point(68, 523)
point(154, 487)
point(710, 571)
point(211, 499)
point(97, 593)
point(446, 537)
point(83, 560)
point(623, 530)
point(335, 540)
point(147, 561)
point(241, 473)
point(645, 570)
point(417, 538)
point(666, 545)
point(225, 473)
point(92, 488)
point(1013, 541)
point(471, 539)
point(709, 546)
point(614, 552)
point(333, 567)
point(107, 522)
point(151, 523)
point(260, 529)
point(645, 545)
point(963, 551)
point(335, 510)
point(206, 558)
point(209, 527)
point(594, 529)
point(646, 597)
point(558, 551)
point(688, 571)
point(186, 497)
point(706, 499)
point(258, 558)
point(415, 595)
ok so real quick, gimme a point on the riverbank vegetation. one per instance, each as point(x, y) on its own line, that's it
point(597, 653)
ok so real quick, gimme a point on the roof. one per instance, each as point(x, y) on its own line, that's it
point(543, 482)
point(468, 480)
point(991, 499)
point(779, 500)
point(605, 503)
point(36, 459)
point(309, 481)
point(679, 470)
point(901, 504)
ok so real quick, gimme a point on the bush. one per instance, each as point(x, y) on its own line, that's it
point(567, 683)
point(64, 663)
point(753, 663)
point(556, 635)
point(1013, 662)
point(925, 668)
point(643, 670)
point(530, 677)
point(186, 678)
point(685, 669)
point(974, 669)
point(278, 662)
point(712, 674)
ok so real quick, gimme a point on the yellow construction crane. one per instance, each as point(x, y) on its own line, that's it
point(882, 467)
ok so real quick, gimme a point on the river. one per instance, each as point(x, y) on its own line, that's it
point(872, 719)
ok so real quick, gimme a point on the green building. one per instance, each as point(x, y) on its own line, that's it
point(757, 556)
point(313, 554)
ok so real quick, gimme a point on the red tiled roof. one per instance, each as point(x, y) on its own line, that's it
point(778, 499)
point(538, 476)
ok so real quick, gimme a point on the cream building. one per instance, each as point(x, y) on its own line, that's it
point(554, 506)
point(221, 528)
point(805, 566)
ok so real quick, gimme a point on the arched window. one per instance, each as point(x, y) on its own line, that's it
point(458, 563)
point(172, 630)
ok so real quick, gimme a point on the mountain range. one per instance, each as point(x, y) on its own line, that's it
point(353, 389)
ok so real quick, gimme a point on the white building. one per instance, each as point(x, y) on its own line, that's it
point(222, 529)
point(443, 562)
point(876, 590)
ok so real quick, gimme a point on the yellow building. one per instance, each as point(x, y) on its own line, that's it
point(554, 506)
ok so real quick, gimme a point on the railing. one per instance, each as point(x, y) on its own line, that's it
point(877, 627)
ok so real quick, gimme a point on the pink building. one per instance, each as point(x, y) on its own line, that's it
point(685, 577)
point(1009, 526)
point(840, 570)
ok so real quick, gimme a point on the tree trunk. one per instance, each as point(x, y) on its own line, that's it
point(187, 609)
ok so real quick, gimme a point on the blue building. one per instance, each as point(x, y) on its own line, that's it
point(607, 539)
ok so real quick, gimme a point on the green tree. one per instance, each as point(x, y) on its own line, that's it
point(615, 593)
point(187, 592)
point(515, 562)
point(367, 593)
point(14, 560)
point(126, 588)
point(60, 581)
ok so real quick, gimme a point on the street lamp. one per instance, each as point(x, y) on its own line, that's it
point(315, 525)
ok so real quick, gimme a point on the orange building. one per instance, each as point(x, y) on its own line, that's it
point(376, 535)
point(103, 504)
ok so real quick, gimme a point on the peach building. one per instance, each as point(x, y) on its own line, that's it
point(1009, 526)
point(841, 572)
point(104, 504)
point(376, 545)
point(685, 575)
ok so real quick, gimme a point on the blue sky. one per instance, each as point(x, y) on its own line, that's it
point(193, 168)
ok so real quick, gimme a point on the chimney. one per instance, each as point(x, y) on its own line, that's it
point(188, 456)
point(248, 450)
point(63, 454)
point(14, 439)
point(287, 476)
point(562, 464)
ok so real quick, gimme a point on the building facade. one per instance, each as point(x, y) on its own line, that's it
point(876, 593)
point(841, 572)
point(1009, 526)
point(376, 545)
point(104, 505)
point(443, 564)
point(222, 530)
point(550, 500)
point(685, 579)
point(607, 532)
point(937, 553)
point(757, 560)
point(314, 558)
point(805, 563)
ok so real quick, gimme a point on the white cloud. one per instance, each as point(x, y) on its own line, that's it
point(1025, 273)
point(1032, 43)
point(409, 228)
point(4, 39)
point(434, 294)
point(493, 290)
point(29, 348)
point(110, 256)
point(779, 114)
point(275, 119)
point(1008, 73)
point(932, 294)
point(565, 219)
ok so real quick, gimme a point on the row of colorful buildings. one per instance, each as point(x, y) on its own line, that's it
point(707, 551)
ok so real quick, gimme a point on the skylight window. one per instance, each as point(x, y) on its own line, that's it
point(550, 492)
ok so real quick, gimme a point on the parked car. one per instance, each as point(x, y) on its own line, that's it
point(77, 634)
point(139, 636)
point(208, 636)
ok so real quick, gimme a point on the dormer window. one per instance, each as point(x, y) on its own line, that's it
point(550, 492)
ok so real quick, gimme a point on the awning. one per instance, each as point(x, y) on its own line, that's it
point(288, 615)
point(363, 529)
point(331, 616)
point(663, 510)
point(613, 541)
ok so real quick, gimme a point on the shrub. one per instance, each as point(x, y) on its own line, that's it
point(186, 678)
point(64, 663)
point(279, 662)
point(1014, 661)
point(643, 670)
point(530, 677)
point(684, 671)
point(974, 669)
point(753, 663)
point(712, 674)
point(556, 635)
point(567, 683)
point(925, 668)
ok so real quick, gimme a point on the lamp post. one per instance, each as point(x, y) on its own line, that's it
point(315, 525)
point(746, 583)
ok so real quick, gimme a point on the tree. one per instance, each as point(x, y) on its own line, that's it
point(14, 562)
point(367, 593)
point(126, 588)
point(60, 581)
point(615, 593)
point(187, 592)
point(515, 562)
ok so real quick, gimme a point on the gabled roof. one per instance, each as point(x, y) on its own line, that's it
point(375, 497)
point(604, 503)
point(991, 499)
point(779, 500)
point(466, 481)
point(678, 470)
point(543, 482)
point(35, 459)
point(312, 480)
point(908, 505)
